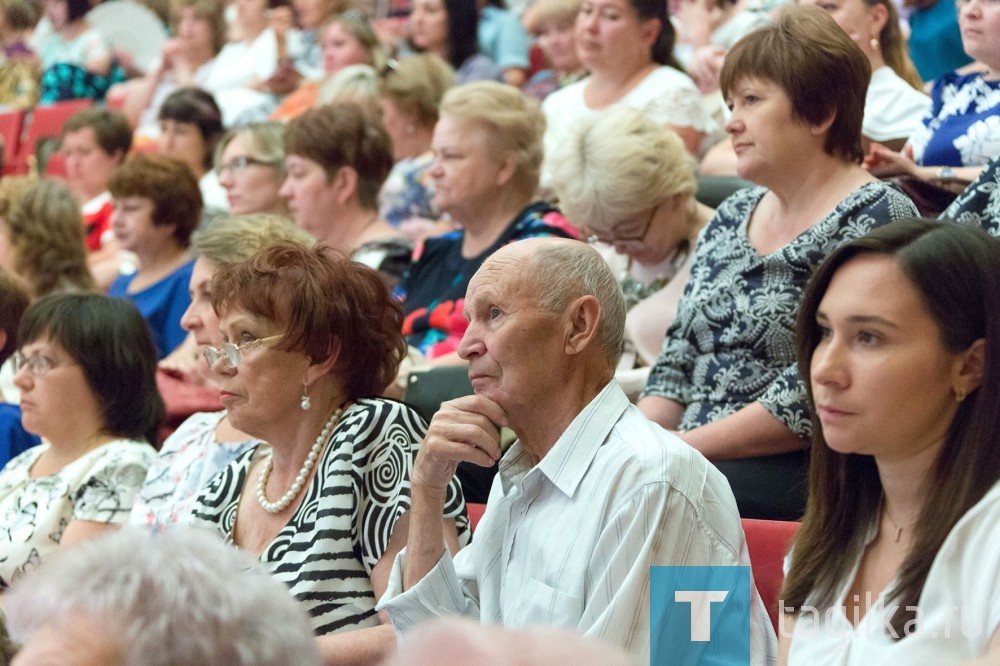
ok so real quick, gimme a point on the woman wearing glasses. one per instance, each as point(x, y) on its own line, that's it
point(206, 442)
point(86, 370)
point(628, 183)
point(250, 163)
point(309, 339)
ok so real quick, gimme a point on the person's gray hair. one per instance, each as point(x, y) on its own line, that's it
point(617, 164)
point(229, 240)
point(574, 269)
point(183, 597)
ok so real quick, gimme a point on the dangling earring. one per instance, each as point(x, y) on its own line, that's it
point(873, 43)
point(306, 402)
point(959, 395)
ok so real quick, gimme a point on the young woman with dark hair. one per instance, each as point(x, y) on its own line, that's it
point(897, 340)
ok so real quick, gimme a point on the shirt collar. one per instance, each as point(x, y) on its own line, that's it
point(571, 456)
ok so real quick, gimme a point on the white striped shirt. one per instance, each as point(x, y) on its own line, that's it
point(569, 542)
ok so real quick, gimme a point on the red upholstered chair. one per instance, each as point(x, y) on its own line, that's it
point(46, 121)
point(11, 126)
point(768, 542)
point(475, 513)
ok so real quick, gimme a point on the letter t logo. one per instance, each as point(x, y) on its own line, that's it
point(701, 610)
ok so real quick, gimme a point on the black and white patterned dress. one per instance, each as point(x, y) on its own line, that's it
point(733, 341)
point(979, 203)
point(326, 552)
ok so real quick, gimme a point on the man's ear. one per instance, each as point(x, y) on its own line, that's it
point(581, 325)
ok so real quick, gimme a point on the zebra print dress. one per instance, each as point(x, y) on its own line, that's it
point(326, 552)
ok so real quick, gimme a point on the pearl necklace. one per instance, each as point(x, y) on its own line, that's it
point(300, 478)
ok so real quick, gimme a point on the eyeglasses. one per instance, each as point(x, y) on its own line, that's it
point(36, 365)
point(594, 237)
point(231, 354)
point(239, 164)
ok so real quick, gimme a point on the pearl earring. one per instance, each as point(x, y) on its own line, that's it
point(306, 402)
point(873, 43)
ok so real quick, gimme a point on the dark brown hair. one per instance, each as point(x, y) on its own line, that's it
point(13, 303)
point(169, 184)
point(821, 69)
point(956, 271)
point(111, 129)
point(341, 135)
point(327, 304)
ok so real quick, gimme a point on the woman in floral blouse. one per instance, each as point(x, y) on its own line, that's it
point(86, 369)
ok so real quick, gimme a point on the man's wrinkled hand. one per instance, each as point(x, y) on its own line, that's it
point(466, 429)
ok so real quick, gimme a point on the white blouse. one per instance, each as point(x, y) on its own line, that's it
point(957, 613)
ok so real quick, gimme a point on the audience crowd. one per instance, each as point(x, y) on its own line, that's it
point(664, 267)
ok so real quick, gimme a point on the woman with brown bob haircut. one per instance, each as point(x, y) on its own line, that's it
point(726, 376)
point(310, 340)
point(157, 206)
point(336, 159)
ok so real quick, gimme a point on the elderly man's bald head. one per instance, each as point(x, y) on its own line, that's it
point(562, 270)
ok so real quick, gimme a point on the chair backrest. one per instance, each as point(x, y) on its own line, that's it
point(47, 121)
point(768, 542)
point(475, 511)
point(11, 126)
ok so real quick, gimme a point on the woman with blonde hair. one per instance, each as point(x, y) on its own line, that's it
point(42, 231)
point(250, 164)
point(206, 442)
point(488, 154)
point(552, 22)
point(410, 93)
point(629, 185)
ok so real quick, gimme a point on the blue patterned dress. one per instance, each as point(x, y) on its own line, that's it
point(733, 341)
point(963, 126)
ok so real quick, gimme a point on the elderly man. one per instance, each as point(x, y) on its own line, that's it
point(592, 493)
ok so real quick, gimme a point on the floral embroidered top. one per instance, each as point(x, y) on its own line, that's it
point(99, 486)
point(979, 203)
point(733, 341)
point(187, 461)
point(963, 126)
point(433, 291)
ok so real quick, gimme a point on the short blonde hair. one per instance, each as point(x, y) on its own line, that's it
point(264, 139)
point(230, 240)
point(513, 122)
point(416, 84)
point(545, 12)
point(618, 164)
